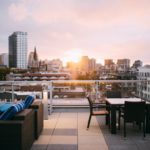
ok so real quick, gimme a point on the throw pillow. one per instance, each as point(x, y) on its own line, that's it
point(8, 114)
point(11, 111)
point(28, 101)
point(4, 107)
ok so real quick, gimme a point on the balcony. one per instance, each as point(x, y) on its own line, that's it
point(67, 115)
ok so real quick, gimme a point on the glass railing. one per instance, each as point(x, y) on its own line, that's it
point(61, 92)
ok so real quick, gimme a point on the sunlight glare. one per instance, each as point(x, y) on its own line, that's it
point(73, 55)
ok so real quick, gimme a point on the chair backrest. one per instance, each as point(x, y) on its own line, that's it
point(90, 103)
point(134, 111)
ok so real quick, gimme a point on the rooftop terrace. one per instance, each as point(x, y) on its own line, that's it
point(66, 129)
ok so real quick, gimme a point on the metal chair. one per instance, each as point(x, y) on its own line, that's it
point(94, 112)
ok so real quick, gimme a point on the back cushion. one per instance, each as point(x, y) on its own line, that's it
point(19, 106)
point(11, 111)
point(4, 107)
point(28, 101)
point(8, 114)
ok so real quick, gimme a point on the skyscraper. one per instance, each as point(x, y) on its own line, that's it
point(4, 59)
point(84, 64)
point(18, 50)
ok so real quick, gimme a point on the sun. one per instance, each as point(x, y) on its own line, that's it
point(101, 61)
point(73, 55)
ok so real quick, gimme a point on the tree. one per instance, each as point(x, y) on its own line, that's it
point(3, 73)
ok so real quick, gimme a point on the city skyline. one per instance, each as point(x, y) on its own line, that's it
point(70, 29)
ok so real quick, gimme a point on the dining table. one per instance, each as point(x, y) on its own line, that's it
point(115, 103)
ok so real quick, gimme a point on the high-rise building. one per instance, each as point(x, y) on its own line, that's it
point(109, 66)
point(92, 64)
point(143, 88)
point(84, 64)
point(123, 65)
point(18, 50)
point(4, 59)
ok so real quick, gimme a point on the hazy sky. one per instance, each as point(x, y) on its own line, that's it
point(97, 28)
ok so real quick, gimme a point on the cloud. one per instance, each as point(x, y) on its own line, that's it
point(18, 11)
point(102, 28)
point(95, 12)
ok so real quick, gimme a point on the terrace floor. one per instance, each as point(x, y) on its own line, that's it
point(66, 130)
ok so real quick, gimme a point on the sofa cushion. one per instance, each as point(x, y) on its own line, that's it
point(8, 114)
point(11, 111)
point(19, 106)
point(4, 107)
point(28, 101)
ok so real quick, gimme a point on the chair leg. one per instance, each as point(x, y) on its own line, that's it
point(119, 116)
point(108, 120)
point(89, 121)
point(124, 129)
point(144, 128)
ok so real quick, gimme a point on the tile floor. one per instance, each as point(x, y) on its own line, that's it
point(67, 131)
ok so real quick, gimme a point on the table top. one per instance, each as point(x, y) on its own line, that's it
point(121, 101)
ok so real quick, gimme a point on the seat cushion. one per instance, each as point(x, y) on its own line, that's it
point(101, 112)
point(28, 101)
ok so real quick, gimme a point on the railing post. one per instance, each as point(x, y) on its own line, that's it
point(12, 88)
point(96, 90)
point(45, 103)
point(50, 88)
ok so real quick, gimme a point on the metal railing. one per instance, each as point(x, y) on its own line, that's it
point(63, 87)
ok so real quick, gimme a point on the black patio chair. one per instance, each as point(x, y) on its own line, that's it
point(102, 110)
point(134, 112)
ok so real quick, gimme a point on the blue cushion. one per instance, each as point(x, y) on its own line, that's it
point(8, 114)
point(19, 106)
point(4, 107)
point(11, 111)
point(28, 101)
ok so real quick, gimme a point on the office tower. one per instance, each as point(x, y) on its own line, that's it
point(92, 64)
point(18, 50)
point(123, 65)
point(143, 88)
point(4, 59)
point(109, 66)
point(84, 64)
point(108, 62)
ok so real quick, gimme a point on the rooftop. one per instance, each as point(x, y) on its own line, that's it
point(66, 129)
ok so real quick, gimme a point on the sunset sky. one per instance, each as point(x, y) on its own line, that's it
point(101, 29)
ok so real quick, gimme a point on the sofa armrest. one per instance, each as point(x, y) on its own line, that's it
point(37, 106)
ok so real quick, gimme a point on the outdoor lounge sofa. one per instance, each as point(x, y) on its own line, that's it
point(21, 124)
point(17, 133)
